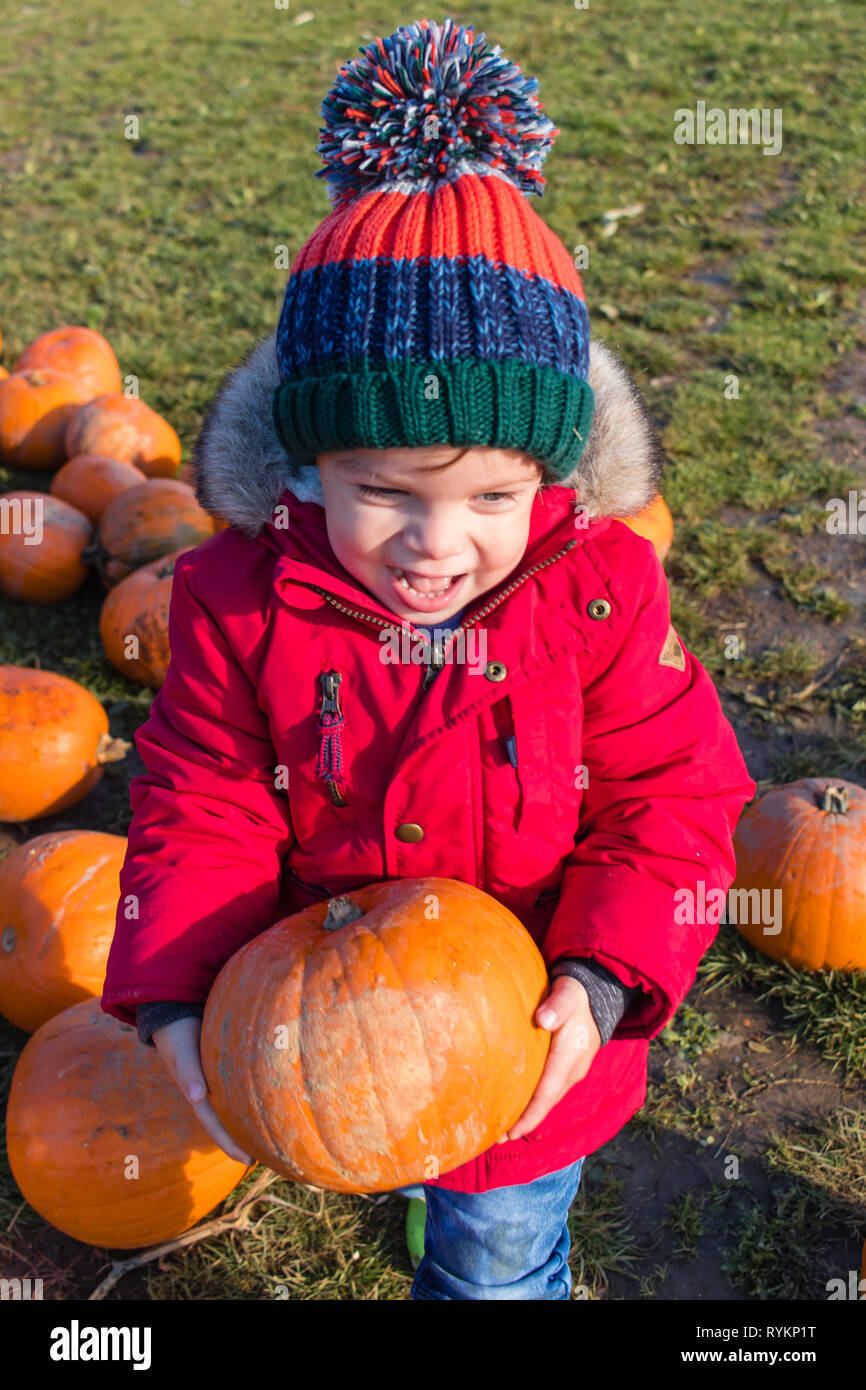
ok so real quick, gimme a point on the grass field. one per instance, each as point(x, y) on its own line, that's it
point(726, 264)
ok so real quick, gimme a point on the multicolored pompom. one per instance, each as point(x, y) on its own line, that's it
point(429, 96)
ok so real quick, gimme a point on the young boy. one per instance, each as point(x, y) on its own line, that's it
point(430, 446)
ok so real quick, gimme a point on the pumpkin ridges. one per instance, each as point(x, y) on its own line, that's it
point(125, 428)
point(390, 1061)
point(76, 351)
point(85, 1095)
point(90, 481)
point(784, 840)
point(144, 524)
point(53, 570)
point(35, 410)
point(59, 893)
point(139, 605)
point(50, 729)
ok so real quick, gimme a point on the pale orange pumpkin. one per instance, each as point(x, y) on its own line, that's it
point(54, 743)
point(145, 523)
point(806, 839)
point(36, 408)
point(124, 428)
point(655, 523)
point(100, 1140)
point(378, 1038)
point(90, 481)
point(43, 563)
point(133, 623)
point(78, 352)
point(59, 895)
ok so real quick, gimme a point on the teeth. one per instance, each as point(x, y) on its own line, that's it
point(422, 593)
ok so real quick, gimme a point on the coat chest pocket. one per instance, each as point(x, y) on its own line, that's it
point(545, 750)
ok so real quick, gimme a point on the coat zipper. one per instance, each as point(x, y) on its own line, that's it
point(433, 667)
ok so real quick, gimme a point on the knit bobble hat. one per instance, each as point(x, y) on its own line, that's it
point(433, 305)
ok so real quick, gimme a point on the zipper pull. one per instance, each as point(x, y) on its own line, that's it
point(329, 763)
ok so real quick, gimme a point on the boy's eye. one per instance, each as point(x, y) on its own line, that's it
point(367, 491)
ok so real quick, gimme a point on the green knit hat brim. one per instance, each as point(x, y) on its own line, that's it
point(406, 404)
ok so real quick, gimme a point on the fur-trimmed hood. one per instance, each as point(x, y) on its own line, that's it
point(240, 468)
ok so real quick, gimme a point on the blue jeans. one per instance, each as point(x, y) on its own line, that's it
point(512, 1242)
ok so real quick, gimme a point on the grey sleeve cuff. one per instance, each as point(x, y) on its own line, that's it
point(153, 1015)
point(609, 998)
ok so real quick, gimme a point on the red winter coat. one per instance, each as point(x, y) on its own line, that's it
point(217, 852)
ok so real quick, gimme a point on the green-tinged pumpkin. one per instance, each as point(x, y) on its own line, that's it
point(145, 523)
point(133, 623)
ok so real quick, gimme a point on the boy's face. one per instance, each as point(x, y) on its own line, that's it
point(468, 524)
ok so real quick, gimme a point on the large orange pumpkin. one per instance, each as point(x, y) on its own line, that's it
point(90, 481)
point(58, 904)
point(655, 523)
point(100, 1140)
point(143, 524)
point(133, 623)
point(380, 1038)
point(36, 408)
point(124, 428)
point(806, 839)
point(54, 743)
point(41, 544)
point(76, 351)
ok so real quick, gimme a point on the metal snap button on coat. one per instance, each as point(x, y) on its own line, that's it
point(598, 608)
point(409, 831)
point(496, 670)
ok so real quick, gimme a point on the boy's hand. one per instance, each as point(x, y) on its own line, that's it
point(575, 1041)
point(178, 1044)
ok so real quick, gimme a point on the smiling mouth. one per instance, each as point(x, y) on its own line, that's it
point(439, 585)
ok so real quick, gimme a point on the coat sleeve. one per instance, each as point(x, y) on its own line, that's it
point(666, 783)
point(210, 826)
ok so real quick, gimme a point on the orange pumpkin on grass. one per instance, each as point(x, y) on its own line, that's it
point(77, 352)
point(54, 743)
point(36, 407)
point(808, 840)
point(124, 428)
point(379, 1038)
point(655, 523)
point(145, 523)
point(43, 563)
point(90, 481)
point(59, 897)
point(3, 374)
point(133, 623)
point(100, 1140)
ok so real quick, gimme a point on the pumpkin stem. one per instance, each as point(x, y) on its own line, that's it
point(835, 799)
point(110, 750)
point(95, 554)
point(341, 911)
